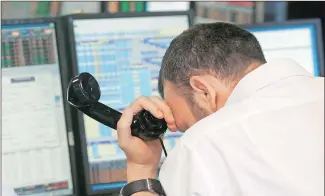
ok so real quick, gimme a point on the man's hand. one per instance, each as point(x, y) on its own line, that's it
point(143, 158)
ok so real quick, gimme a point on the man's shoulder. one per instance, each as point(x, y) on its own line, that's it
point(233, 116)
point(216, 122)
point(201, 138)
point(7, 191)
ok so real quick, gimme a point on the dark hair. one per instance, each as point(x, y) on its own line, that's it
point(222, 49)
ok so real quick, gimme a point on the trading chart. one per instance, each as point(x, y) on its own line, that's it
point(27, 47)
point(35, 152)
point(125, 60)
point(123, 73)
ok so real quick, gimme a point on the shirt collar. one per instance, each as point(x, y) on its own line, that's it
point(264, 75)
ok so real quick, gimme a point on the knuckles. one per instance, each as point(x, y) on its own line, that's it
point(156, 98)
point(121, 144)
point(120, 125)
point(141, 99)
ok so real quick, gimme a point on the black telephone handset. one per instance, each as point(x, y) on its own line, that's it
point(83, 93)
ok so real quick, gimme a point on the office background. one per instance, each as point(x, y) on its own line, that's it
point(239, 12)
point(50, 148)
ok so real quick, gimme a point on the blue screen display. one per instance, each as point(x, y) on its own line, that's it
point(298, 42)
point(124, 55)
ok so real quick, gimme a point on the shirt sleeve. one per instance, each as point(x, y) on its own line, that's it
point(184, 173)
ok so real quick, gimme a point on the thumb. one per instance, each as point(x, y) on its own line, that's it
point(124, 127)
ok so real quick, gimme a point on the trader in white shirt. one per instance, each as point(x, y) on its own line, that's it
point(251, 127)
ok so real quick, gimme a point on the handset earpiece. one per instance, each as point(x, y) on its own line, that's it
point(83, 90)
point(83, 93)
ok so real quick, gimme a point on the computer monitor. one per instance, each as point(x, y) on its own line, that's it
point(35, 150)
point(299, 40)
point(124, 53)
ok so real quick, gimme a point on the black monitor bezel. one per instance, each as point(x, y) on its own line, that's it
point(63, 67)
point(319, 36)
point(78, 115)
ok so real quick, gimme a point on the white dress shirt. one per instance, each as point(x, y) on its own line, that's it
point(7, 191)
point(268, 140)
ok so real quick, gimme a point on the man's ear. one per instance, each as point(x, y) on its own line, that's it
point(204, 90)
point(198, 84)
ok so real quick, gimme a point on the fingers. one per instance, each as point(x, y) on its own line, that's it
point(124, 127)
point(157, 107)
point(167, 113)
point(154, 105)
point(146, 104)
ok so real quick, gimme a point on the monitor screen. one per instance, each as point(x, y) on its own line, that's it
point(35, 151)
point(124, 55)
point(297, 40)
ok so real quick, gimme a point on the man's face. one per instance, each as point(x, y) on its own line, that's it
point(206, 95)
point(186, 111)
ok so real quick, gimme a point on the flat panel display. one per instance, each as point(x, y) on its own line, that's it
point(124, 54)
point(300, 41)
point(35, 151)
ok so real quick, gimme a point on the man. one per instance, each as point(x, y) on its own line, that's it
point(251, 127)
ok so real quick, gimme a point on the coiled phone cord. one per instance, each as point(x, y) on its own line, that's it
point(163, 146)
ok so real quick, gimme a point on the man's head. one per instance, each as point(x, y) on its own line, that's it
point(202, 66)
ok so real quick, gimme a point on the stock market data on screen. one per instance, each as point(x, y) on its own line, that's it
point(297, 41)
point(35, 156)
point(124, 55)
